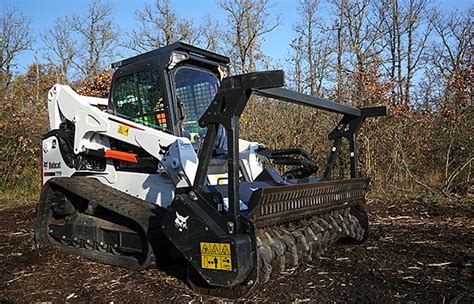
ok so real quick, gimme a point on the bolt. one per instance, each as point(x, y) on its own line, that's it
point(101, 243)
point(249, 282)
point(64, 237)
point(230, 227)
point(206, 228)
point(191, 258)
point(75, 239)
point(235, 269)
point(88, 241)
point(115, 245)
point(51, 231)
point(192, 195)
point(162, 226)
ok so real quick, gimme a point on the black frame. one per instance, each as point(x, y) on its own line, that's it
point(160, 59)
point(228, 106)
point(137, 67)
point(140, 67)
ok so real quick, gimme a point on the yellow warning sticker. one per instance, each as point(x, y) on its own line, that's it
point(123, 129)
point(216, 256)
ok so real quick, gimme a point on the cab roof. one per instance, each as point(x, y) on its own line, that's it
point(165, 52)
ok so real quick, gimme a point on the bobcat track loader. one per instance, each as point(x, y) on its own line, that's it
point(158, 169)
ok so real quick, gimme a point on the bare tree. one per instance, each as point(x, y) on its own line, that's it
point(364, 29)
point(98, 38)
point(407, 32)
point(393, 26)
point(61, 47)
point(248, 22)
point(159, 26)
point(340, 4)
point(296, 60)
point(417, 18)
point(306, 29)
point(451, 56)
point(317, 45)
point(15, 38)
point(211, 34)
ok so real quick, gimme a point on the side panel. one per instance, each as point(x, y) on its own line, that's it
point(152, 188)
point(54, 164)
point(91, 122)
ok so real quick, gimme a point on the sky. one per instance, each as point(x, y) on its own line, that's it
point(43, 13)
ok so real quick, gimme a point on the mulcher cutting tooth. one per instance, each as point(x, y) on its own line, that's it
point(335, 224)
point(343, 225)
point(279, 248)
point(265, 256)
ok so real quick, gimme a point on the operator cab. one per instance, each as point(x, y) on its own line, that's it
point(168, 89)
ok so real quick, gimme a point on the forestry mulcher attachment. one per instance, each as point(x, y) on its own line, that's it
point(158, 168)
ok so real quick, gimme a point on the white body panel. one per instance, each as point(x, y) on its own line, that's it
point(94, 127)
point(53, 163)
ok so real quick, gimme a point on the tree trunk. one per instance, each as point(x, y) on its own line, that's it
point(340, 51)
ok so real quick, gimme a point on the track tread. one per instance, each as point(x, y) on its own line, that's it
point(137, 210)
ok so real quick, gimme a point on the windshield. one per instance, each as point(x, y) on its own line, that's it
point(195, 89)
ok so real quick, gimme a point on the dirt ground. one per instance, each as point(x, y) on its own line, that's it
point(417, 251)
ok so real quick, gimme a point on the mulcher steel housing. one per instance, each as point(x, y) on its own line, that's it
point(160, 165)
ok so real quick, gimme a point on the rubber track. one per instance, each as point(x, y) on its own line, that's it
point(284, 247)
point(126, 205)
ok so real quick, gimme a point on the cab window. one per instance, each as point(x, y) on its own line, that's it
point(195, 89)
point(138, 97)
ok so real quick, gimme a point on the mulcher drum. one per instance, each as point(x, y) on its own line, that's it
point(298, 223)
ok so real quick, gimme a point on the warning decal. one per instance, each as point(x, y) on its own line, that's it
point(216, 256)
point(123, 129)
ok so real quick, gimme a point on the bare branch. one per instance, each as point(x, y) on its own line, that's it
point(98, 37)
point(159, 26)
point(249, 21)
point(15, 38)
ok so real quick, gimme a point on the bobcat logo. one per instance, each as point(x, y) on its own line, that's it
point(180, 222)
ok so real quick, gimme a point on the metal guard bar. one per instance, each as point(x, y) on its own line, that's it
point(284, 204)
point(307, 100)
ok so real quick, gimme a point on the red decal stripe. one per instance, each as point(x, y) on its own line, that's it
point(120, 155)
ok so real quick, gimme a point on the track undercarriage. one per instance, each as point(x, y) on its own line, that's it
point(85, 217)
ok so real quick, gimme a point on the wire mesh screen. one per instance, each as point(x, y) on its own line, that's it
point(138, 97)
point(195, 89)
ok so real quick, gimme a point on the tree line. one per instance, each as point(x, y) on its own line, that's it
point(337, 43)
point(410, 55)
